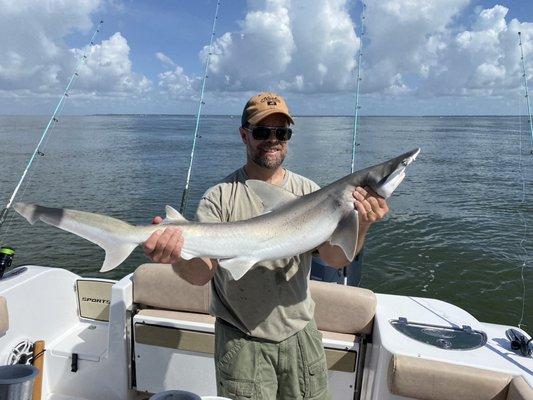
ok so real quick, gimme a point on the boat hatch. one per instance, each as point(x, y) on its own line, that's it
point(444, 337)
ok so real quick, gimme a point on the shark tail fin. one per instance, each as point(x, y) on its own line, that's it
point(28, 211)
point(106, 232)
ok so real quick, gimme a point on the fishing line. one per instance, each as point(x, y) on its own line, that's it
point(523, 179)
point(51, 122)
point(524, 75)
point(185, 196)
point(523, 219)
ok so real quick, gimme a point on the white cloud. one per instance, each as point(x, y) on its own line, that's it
point(416, 49)
point(166, 60)
point(36, 61)
point(108, 69)
point(287, 45)
point(32, 55)
point(412, 47)
point(484, 60)
point(177, 84)
point(405, 38)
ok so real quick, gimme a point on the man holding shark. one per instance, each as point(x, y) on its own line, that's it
point(267, 344)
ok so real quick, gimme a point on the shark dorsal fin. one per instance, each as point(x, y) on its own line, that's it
point(271, 196)
point(174, 215)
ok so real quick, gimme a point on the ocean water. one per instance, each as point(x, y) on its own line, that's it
point(459, 228)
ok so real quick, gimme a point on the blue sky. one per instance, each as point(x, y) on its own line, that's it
point(420, 58)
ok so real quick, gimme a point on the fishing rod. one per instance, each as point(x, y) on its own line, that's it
point(357, 106)
point(356, 112)
point(185, 196)
point(53, 120)
point(524, 75)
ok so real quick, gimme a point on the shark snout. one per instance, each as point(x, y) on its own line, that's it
point(389, 183)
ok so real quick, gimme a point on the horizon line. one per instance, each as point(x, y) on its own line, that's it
point(294, 115)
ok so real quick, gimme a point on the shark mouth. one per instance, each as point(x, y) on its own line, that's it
point(393, 180)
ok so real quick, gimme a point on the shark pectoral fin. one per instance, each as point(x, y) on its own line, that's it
point(174, 215)
point(236, 266)
point(345, 236)
point(115, 255)
point(271, 196)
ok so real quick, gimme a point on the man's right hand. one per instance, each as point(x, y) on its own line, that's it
point(164, 246)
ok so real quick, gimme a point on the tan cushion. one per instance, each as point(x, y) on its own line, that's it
point(519, 389)
point(158, 286)
point(435, 380)
point(4, 316)
point(179, 315)
point(343, 309)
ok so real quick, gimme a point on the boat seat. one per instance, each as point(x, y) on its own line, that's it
point(159, 292)
point(424, 379)
point(519, 389)
point(4, 316)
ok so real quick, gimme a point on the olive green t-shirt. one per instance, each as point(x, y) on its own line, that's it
point(272, 300)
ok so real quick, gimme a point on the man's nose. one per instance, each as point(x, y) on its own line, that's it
point(272, 137)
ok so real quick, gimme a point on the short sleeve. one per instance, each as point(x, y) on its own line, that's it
point(314, 186)
point(208, 210)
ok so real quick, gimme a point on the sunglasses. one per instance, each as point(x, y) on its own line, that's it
point(259, 132)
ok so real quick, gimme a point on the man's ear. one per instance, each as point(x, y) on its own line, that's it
point(243, 134)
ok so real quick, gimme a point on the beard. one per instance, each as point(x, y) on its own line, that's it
point(269, 162)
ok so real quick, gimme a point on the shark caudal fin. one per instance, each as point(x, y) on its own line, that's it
point(28, 211)
point(106, 232)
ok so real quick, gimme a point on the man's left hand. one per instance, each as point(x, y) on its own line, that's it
point(371, 206)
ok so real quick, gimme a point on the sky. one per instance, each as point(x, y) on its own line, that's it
point(419, 57)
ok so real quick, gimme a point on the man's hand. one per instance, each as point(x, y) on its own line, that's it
point(164, 246)
point(371, 206)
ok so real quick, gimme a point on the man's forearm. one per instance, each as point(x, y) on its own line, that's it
point(197, 271)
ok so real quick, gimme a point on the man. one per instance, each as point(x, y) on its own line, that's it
point(267, 345)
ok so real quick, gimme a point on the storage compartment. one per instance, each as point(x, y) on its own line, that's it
point(169, 358)
point(444, 337)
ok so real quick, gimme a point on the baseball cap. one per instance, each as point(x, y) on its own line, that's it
point(262, 105)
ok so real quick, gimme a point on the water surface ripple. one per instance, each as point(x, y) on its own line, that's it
point(453, 232)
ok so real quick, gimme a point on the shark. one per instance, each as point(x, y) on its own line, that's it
point(289, 226)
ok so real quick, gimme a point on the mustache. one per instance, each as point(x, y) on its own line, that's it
point(274, 147)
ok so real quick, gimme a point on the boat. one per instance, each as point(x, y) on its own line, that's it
point(150, 332)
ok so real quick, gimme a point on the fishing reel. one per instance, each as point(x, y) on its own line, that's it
point(519, 342)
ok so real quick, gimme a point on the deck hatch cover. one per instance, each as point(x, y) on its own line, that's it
point(444, 337)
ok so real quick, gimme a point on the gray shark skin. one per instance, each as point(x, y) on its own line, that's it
point(290, 225)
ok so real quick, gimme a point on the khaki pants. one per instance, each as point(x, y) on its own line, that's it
point(252, 369)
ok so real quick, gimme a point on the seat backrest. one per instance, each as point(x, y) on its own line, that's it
point(519, 389)
point(4, 316)
point(343, 309)
point(159, 286)
point(418, 378)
